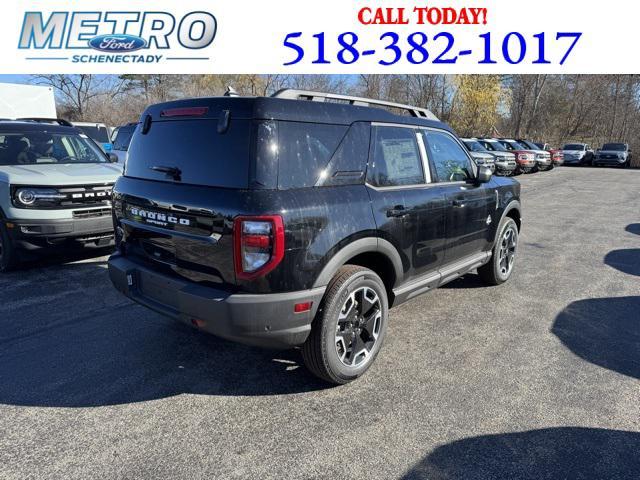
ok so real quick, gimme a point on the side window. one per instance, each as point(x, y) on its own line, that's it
point(304, 151)
point(395, 158)
point(349, 162)
point(447, 157)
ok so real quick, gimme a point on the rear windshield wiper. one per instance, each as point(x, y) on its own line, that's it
point(173, 172)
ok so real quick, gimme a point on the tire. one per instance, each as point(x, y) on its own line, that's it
point(493, 272)
point(8, 254)
point(326, 353)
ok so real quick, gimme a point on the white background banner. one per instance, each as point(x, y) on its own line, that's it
point(328, 36)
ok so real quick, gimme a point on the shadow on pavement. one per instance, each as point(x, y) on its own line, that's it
point(626, 260)
point(550, 453)
point(469, 280)
point(603, 331)
point(61, 255)
point(90, 346)
point(633, 228)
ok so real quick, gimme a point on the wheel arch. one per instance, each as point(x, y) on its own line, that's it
point(512, 210)
point(374, 253)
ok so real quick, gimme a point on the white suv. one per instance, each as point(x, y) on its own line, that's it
point(55, 187)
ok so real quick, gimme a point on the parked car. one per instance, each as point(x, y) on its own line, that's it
point(121, 138)
point(543, 158)
point(613, 154)
point(504, 159)
point(99, 132)
point(577, 154)
point(479, 154)
point(557, 157)
point(242, 239)
point(525, 158)
point(55, 187)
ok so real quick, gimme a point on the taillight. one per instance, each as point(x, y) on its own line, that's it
point(258, 245)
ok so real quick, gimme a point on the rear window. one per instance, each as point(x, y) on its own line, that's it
point(123, 138)
point(195, 149)
point(99, 134)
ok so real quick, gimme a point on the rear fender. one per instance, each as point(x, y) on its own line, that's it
point(358, 247)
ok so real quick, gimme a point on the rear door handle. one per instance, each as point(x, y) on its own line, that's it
point(458, 203)
point(397, 211)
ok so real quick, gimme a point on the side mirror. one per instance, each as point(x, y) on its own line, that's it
point(113, 158)
point(484, 174)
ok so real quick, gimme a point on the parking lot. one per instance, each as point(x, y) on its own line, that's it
point(538, 378)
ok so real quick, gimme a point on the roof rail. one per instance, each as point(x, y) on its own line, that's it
point(293, 94)
point(59, 121)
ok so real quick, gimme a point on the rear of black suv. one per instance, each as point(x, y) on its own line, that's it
point(201, 210)
point(280, 223)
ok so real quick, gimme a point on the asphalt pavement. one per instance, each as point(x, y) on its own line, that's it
point(538, 378)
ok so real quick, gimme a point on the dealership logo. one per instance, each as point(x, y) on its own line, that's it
point(117, 35)
point(117, 43)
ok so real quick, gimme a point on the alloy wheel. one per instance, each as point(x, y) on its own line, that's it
point(507, 252)
point(358, 327)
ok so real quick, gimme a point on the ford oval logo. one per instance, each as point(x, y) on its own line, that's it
point(117, 43)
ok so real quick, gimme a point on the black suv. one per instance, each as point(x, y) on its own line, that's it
point(300, 219)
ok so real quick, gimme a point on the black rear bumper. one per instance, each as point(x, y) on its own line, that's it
point(265, 320)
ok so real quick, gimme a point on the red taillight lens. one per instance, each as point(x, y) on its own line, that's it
point(258, 245)
point(185, 112)
point(302, 307)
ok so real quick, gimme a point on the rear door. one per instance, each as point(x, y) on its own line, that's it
point(409, 212)
point(468, 204)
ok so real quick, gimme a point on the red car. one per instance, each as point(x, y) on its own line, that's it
point(525, 158)
point(557, 156)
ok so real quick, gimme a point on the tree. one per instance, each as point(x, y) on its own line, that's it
point(477, 99)
point(78, 91)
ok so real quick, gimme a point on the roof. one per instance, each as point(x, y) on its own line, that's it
point(24, 126)
point(269, 108)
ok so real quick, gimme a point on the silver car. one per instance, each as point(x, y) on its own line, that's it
point(614, 155)
point(55, 187)
point(505, 160)
point(577, 154)
point(479, 154)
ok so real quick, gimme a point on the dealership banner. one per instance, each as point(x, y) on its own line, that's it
point(328, 36)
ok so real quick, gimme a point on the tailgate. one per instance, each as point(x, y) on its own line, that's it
point(178, 229)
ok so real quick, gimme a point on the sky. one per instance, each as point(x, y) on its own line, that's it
point(14, 78)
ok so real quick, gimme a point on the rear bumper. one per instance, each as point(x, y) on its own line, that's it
point(31, 234)
point(264, 320)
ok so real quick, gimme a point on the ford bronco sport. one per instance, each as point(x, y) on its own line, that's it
point(55, 187)
point(300, 219)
